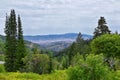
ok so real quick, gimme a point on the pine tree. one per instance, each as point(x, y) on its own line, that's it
point(79, 38)
point(11, 42)
point(50, 62)
point(14, 46)
point(20, 46)
point(80, 42)
point(72, 52)
point(102, 28)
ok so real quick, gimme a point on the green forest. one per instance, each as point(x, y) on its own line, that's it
point(97, 58)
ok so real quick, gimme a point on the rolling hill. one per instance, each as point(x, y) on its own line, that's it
point(55, 42)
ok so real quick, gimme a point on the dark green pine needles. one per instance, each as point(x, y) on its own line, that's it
point(14, 46)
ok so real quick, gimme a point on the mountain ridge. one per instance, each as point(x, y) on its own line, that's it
point(54, 36)
point(55, 42)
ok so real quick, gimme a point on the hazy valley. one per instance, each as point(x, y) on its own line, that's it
point(55, 42)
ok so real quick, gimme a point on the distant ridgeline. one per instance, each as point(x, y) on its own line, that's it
point(56, 36)
point(55, 42)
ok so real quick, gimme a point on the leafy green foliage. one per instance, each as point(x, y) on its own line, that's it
point(77, 60)
point(37, 63)
point(108, 44)
point(72, 52)
point(81, 46)
point(57, 75)
point(90, 69)
point(56, 65)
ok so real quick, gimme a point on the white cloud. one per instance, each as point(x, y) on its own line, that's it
point(60, 16)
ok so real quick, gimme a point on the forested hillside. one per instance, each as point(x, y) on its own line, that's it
point(94, 58)
point(56, 42)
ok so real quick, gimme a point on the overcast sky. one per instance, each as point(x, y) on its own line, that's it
point(61, 16)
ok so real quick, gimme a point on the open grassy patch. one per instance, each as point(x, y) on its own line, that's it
point(57, 75)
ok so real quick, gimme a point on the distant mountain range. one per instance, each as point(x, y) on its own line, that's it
point(55, 42)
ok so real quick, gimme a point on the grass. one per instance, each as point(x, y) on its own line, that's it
point(57, 75)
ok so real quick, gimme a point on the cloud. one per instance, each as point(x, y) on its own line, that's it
point(62, 16)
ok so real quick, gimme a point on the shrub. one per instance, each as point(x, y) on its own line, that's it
point(90, 69)
point(57, 75)
point(37, 63)
point(108, 44)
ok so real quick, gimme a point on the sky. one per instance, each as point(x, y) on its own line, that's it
point(41, 17)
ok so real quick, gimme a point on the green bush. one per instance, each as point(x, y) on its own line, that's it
point(37, 63)
point(116, 75)
point(75, 73)
point(108, 44)
point(90, 69)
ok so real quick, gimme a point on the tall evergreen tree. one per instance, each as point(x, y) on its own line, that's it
point(11, 42)
point(82, 45)
point(79, 38)
point(102, 28)
point(20, 46)
point(72, 52)
point(50, 62)
point(79, 43)
point(14, 46)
